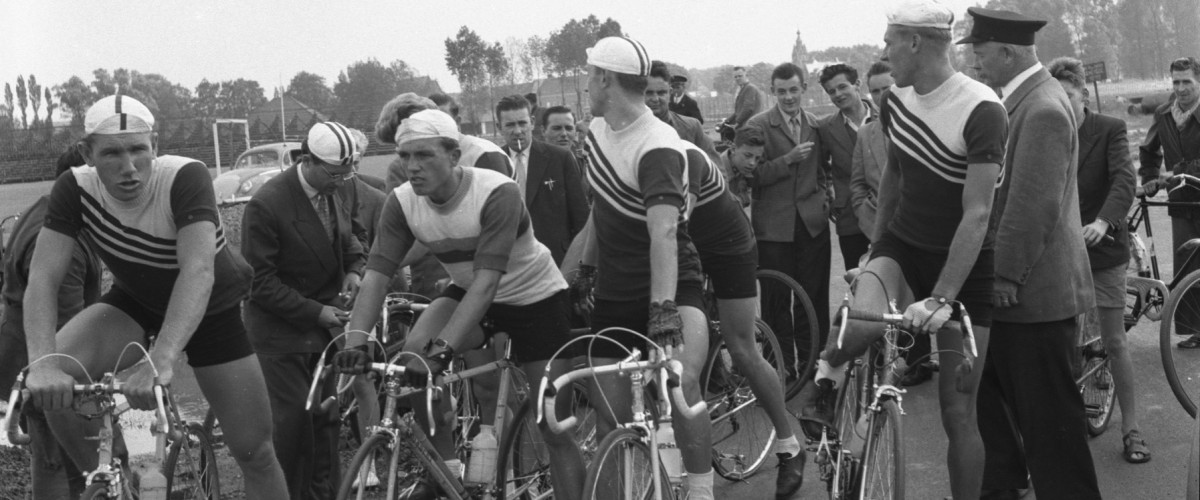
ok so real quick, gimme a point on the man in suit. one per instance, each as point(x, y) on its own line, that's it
point(307, 265)
point(750, 99)
point(839, 132)
point(1106, 186)
point(791, 191)
point(683, 103)
point(1031, 414)
point(549, 179)
point(658, 99)
point(1175, 137)
point(870, 153)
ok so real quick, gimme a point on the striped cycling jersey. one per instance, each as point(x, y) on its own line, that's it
point(933, 140)
point(137, 239)
point(718, 225)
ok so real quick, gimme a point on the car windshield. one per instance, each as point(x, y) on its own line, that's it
point(258, 159)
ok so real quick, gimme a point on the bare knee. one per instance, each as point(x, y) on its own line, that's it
point(254, 451)
point(958, 419)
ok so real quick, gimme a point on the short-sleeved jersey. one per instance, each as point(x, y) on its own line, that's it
point(631, 170)
point(933, 139)
point(482, 153)
point(718, 224)
point(483, 226)
point(137, 239)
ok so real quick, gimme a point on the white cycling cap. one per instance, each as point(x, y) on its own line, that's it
point(118, 114)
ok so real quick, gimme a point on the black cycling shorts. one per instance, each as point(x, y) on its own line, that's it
point(634, 315)
point(732, 276)
point(220, 338)
point(922, 268)
point(536, 330)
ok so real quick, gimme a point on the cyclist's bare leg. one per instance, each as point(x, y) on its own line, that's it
point(368, 404)
point(429, 327)
point(965, 455)
point(237, 393)
point(96, 337)
point(737, 328)
point(870, 294)
point(694, 437)
point(1112, 331)
point(566, 463)
point(486, 389)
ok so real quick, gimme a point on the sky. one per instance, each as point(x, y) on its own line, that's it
point(270, 41)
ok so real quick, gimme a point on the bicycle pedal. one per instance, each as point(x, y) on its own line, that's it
point(1092, 410)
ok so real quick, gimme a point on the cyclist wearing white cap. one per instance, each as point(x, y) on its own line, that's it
point(645, 269)
point(475, 223)
point(153, 220)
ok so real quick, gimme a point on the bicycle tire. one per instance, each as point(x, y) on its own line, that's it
point(211, 425)
point(742, 432)
point(622, 454)
point(191, 466)
point(850, 407)
point(1099, 393)
point(379, 457)
point(798, 303)
point(95, 491)
point(1166, 341)
point(883, 461)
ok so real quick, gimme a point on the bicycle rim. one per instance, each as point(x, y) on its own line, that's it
point(622, 470)
point(742, 432)
point(523, 465)
point(883, 462)
point(842, 474)
point(1099, 393)
point(191, 467)
point(375, 469)
point(1181, 317)
point(785, 307)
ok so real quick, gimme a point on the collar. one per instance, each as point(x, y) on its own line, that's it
point(867, 116)
point(524, 151)
point(787, 119)
point(309, 191)
point(677, 99)
point(1011, 87)
point(1178, 112)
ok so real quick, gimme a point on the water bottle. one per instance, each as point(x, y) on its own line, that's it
point(482, 467)
point(668, 452)
point(153, 485)
point(858, 437)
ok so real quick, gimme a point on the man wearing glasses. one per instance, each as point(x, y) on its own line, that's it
point(791, 191)
point(307, 264)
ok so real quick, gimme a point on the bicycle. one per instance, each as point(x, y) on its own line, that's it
point(624, 462)
point(183, 465)
point(777, 288)
point(862, 457)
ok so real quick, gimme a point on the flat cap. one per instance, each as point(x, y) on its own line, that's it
point(920, 14)
point(1001, 26)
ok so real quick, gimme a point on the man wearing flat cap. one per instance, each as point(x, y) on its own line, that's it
point(931, 249)
point(681, 102)
point(1043, 280)
point(297, 235)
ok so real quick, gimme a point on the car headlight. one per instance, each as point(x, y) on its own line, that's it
point(246, 186)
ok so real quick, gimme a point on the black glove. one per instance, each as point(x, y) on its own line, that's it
point(666, 326)
point(352, 360)
point(581, 290)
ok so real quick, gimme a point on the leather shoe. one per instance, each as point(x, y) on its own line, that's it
point(916, 375)
point(790, 476)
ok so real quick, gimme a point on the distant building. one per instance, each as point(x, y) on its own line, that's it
point(297, 115)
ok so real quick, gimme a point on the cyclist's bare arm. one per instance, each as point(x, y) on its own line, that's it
point(591, 249)
point(978, 193)
point(197, 251)
point(663, 222)
point(51, 387)
point(371, 294)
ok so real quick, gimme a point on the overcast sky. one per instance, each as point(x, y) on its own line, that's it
point(270, 41)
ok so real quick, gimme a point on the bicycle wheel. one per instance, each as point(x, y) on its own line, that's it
point(742, 432)
point(95, 491)
point(1099, 393)
point(842, 470)
point(523, 466)
point(883, 462)
point(375, 465)
point(191, 467)
point(786, 309)
point(621, 470)
point(1181, 316)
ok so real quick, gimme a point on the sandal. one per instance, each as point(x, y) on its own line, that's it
point(1136, 451)
point(1192, 342)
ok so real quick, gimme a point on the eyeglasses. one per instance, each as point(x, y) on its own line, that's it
point(338, 177)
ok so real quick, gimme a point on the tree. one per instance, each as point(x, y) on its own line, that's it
point(535, 56)
point(466, 58)
point(364, 86)
point(8, 102)
point(206, 102)
point(566, 49)
point(22, 100)
point(519, 69)
point(76, 96)
point(239, 97)
point(50, 107)
point(35, 100)
point(310, 89)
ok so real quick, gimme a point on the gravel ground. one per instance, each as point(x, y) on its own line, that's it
point(14, 468)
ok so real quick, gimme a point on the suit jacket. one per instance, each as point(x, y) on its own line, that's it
point(1039, 237)
point(297, 269)
point(782, 191)
point(870, 155)
point(1166, 141)
point(750, 101)
point(837, 148)
point(554, 196)
point(1106, 184)
point(690, 130)
point(687, 107)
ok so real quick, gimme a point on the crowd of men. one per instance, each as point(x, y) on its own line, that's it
point(1000, 197)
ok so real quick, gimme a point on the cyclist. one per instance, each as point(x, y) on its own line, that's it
point(153, 220)
point(932, 245)
point(638, 248)
point(475, 223)
point(728, 254)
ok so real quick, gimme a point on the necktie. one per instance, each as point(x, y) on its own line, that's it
point(795, 123)
point(519, 171)
point(321, 204)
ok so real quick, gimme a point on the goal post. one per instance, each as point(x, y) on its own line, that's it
point(217, 136)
